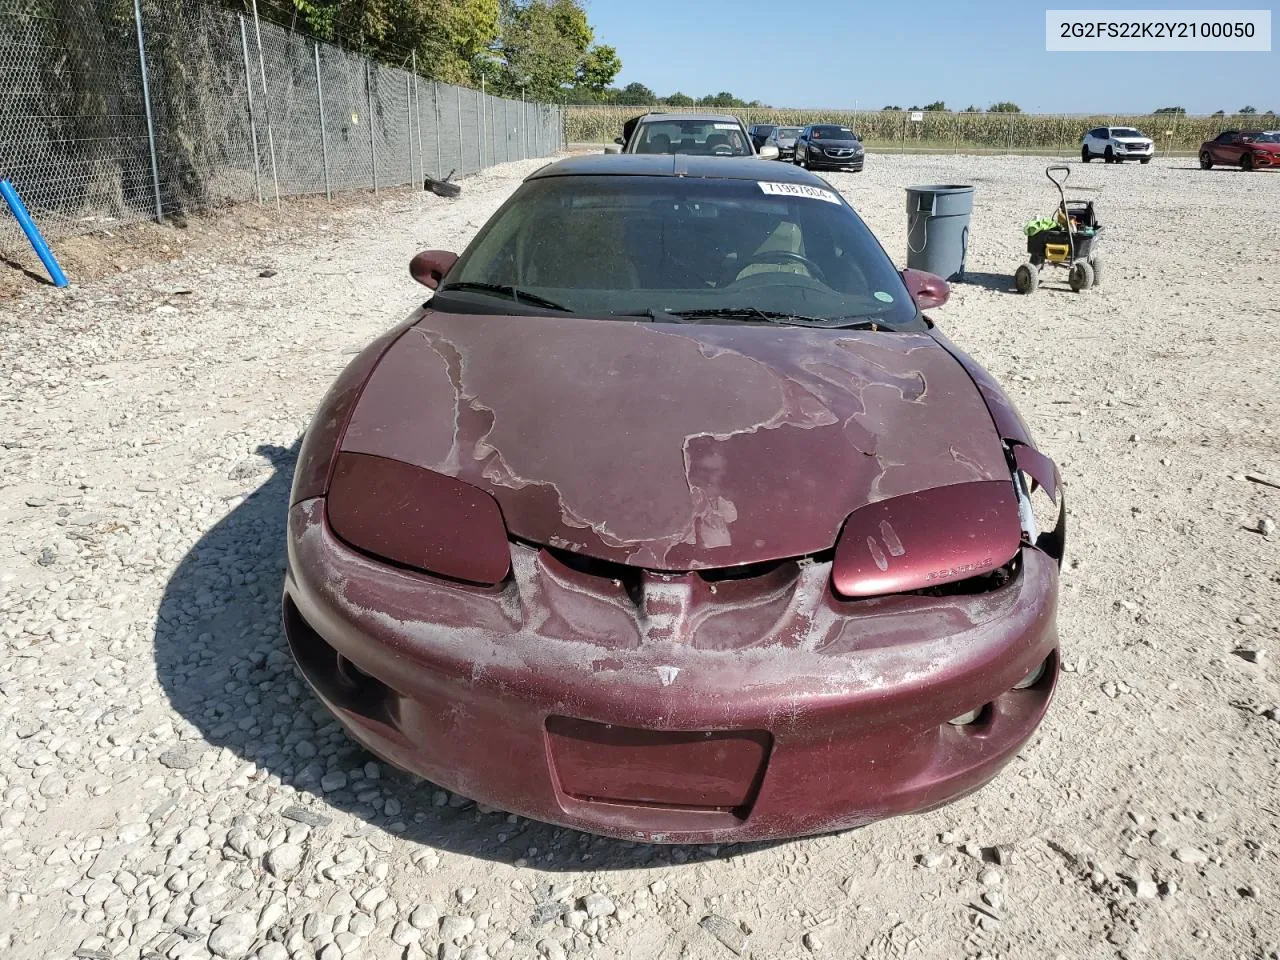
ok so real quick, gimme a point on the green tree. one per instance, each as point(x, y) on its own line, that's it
point(678, 99)
point(1218, 113)
point(891, 108)
point(721, 99)
point(450, 37)
point(598, 68)
point(1004, 106)
point(637, 95)
point(1247, 111)
point(1175, 111)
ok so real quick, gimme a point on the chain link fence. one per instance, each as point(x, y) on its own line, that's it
point(115, 111)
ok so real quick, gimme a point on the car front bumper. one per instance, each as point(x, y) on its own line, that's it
point(828, 163)
point(700, 712)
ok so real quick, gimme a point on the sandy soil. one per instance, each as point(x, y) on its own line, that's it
point(171, 789)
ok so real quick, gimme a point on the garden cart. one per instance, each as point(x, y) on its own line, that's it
point(1069, 241)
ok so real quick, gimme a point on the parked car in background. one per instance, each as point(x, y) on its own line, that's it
point(828, 146)
point(784, 138)
point(670, 517)
point(1246, 149)
point(761, 132)
point(1115, 144)
point(692, 134)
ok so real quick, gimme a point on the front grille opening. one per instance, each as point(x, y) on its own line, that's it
point(629, 577)
point(747, 571)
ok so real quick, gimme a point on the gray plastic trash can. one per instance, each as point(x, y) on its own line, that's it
point(938, 228)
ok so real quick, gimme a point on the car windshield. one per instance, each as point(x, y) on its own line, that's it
point(1271, 136)
point(788, 133)
point(832, 133)
point(696, 137)
point(654, 246)
point(1124, 132)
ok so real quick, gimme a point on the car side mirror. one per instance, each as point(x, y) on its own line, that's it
point(430, 266)
point(619, 141)
point(926, 289)
point(768, 152)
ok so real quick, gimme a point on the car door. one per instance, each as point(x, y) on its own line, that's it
point(802, 143)
point(1097, 139)
point(1225, 149)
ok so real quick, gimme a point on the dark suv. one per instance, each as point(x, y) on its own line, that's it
point(760, 133)
point(828, 146)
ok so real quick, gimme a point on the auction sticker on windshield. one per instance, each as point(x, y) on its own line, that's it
point(798, 190)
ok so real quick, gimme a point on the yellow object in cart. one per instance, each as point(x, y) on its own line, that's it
point(1057, 252)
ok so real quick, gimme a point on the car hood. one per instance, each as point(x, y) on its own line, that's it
point(1134, 140)
point(676, 446)
point(786, 142)
point(1265, 147)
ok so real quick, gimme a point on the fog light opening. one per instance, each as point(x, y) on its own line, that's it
point(1032, 678)
point(972, 717)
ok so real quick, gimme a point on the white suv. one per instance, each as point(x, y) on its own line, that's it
point(1115, 144)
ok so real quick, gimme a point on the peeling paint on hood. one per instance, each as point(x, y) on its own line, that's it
point(676, 446)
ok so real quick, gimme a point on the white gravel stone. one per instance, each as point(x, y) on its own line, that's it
point(597, 905)
point(453, 929)
point(233, 936)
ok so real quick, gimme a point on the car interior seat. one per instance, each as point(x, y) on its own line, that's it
point(658, 143)
point(717, 140)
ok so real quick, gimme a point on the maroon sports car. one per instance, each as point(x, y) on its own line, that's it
point(670, 517)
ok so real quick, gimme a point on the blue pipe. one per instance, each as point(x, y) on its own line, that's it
point(33, 233)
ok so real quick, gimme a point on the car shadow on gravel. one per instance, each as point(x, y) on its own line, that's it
point(222, 659)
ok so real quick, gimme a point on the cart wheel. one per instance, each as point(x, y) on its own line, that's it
point(1096, 265)
point(1026, 279)
point(1081, 276)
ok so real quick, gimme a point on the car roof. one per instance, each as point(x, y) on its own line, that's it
point(676, 165)
point(717, 117)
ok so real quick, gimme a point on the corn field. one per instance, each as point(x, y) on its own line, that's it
point(946, 132)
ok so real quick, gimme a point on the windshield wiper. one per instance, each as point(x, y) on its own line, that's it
point(505, 289)
point(776, 316)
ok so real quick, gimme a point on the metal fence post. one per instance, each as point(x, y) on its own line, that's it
point(324, 138)
point(146, 102)
point(462, 153)
point(408, 122)
point(484, 116)
point(480, 124)
point(524, 128)
point(253, 126)
point(417, 92)
point(373, 150)
point(262, 68)
point(435, 105)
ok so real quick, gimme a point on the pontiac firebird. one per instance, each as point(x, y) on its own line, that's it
point(671, 517)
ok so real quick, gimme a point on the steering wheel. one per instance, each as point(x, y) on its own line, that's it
point(722, 150)
point(784, 256)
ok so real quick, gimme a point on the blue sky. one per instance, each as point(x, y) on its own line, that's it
point(842, 53)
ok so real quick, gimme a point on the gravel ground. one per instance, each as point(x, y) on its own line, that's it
point(171, 789)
